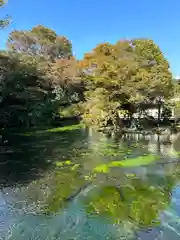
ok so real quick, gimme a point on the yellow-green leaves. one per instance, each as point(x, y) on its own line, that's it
point(130, 72)
point(40, 40)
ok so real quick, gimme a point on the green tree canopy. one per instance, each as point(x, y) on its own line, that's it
point(129, 67)
point(38, 74)
point(41, 41)
point(25, 94)
point(132, 72)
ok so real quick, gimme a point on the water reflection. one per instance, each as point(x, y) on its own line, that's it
point(167, 144)
point(58, 201)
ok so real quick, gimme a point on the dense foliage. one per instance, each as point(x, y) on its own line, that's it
point(126, 76)
point(41, 79)
point(37, 77)
point(40, 41)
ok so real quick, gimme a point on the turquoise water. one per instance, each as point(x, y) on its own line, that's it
point(49, 189)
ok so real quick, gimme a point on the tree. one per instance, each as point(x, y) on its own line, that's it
point(155, 73)
point(99, 110)
point(132, 72)
point(26, 96)
point(40, 41)
point(67, 86)
point(38, 75)
point(174, 102)
point(6, 21)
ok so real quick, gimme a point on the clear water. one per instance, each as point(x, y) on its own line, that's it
point(40, 198)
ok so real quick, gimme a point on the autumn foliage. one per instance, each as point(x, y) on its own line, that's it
point(112, 78)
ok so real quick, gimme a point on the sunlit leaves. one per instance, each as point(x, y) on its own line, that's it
point(99, 108)
point(40, 41)
point(63, 72)
point(41, 68)
point(130, 71)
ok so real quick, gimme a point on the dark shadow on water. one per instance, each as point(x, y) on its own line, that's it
point(26, 158)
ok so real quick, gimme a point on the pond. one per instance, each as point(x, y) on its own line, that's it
point(80, 184)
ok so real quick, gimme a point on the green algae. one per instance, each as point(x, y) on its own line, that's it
point(132, 162)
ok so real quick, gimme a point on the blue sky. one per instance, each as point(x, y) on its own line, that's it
point(87, 23)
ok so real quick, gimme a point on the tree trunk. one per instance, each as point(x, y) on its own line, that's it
point(159, 112)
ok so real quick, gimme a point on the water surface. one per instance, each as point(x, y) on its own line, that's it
point(50, 189)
